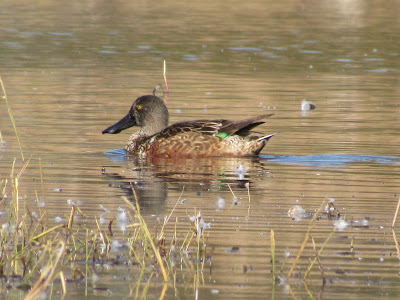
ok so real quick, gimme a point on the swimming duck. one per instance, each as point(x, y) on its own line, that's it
point(187, 139)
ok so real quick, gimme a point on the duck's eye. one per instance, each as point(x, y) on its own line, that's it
point(138, 107)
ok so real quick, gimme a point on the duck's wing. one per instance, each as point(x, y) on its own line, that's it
point(242, 127)
point(220, 127)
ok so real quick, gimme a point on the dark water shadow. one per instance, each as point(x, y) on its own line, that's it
point(330, 159)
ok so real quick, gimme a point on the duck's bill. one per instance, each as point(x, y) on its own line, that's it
point(124, 123)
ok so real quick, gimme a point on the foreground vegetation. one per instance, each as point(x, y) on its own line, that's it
point(35, 254)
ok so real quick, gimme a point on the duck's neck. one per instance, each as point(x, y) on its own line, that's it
point(153, 125)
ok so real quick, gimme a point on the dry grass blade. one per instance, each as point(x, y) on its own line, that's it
point(71, 217)
point(164, 290)
point(273, 256)
point(63, 283)
point(229, 186)
point(11, 118)
point(46, 232)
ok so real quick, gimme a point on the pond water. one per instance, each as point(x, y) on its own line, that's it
point(72, 70)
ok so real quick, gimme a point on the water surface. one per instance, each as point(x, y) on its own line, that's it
point(71, 71)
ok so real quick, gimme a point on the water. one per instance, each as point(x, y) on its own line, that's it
point(70, 72)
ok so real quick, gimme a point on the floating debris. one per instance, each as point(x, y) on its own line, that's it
point(116, 245)
point(306, 105)
point(220, 203)
point(3, 143)
point(360, 224)
point(199, 224)
point(234, 249)
point(58, 219)
point(240, 172)
point(287, 253)
point(331, 210)
point(340, 224)
point(8, 228)
point(103, 208)
point(122, 219)
point(235, 201)
point(297, 213)
point(102, 220)
point(71, 202)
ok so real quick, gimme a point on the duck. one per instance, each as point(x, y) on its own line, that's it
point(187, 139)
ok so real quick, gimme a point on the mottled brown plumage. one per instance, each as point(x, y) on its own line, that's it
point(197, 138)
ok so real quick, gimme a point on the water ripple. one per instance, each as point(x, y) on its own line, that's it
point(331, 159)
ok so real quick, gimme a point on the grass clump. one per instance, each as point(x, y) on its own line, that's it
point(42, 258)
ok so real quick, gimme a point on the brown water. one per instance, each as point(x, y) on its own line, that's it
point(72, 70)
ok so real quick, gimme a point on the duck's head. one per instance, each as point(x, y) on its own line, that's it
point(149, 112)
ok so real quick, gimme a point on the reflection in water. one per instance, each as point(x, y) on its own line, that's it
point(153, 178)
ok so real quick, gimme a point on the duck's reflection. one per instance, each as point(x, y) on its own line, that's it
point(152, 179)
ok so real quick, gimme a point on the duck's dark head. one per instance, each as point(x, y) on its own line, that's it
point(149, 112)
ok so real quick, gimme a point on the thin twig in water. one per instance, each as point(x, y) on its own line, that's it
point(396, 244)
point(319, 253)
